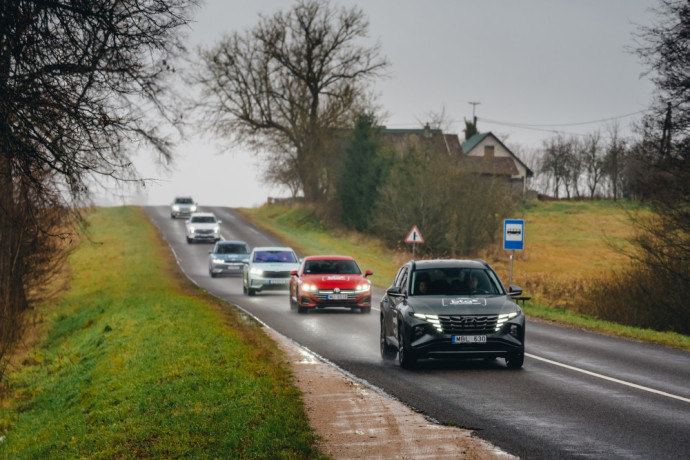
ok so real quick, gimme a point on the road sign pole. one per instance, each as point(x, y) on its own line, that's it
point(512, 256)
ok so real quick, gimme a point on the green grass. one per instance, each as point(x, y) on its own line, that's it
point(566, 244)
point(135, 361)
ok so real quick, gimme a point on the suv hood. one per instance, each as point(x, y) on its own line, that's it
point(275, 266)
point(203, 225)
point(462, 305)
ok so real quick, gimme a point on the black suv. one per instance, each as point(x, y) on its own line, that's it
point(451, 309)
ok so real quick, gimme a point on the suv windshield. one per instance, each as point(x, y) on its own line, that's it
point(455, 281)
point(203, 220)
point(232, 249)
point(275, 256)
point(184, 201)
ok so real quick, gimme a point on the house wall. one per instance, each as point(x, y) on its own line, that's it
point(499, 151)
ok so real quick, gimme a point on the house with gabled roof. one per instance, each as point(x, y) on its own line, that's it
point(482, 154)
point(485, 154)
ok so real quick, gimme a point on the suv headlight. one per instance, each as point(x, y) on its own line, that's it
point(502, 319)
point(216, 229)
point(431, 319)
point(176, 208)
point(192, 208)
point(256, 271)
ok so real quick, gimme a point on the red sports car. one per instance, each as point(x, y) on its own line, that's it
point(330, 281)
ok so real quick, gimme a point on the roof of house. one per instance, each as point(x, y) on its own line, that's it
point(475, 140)
point(433, 139)
point(472, 142)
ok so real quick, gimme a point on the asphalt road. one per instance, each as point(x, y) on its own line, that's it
point(579, 394)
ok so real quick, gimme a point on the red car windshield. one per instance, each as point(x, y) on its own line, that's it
point(331, 267)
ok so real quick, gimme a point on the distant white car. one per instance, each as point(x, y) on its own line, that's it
point(203, 226)
point(268, 269)
point(182, 206)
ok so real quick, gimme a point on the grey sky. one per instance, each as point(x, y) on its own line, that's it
point(552, 64)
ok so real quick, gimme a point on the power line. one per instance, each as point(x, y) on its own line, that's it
point(536, 126)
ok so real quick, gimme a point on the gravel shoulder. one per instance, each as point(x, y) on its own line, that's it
point(354, 421)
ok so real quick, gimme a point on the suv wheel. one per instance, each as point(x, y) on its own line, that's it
point(387, 352)
point(515, 361)
point(406, 356)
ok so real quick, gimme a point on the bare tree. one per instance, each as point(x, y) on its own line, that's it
point(77, 80)
point(554, 163)
point(592, 162)
point(614, 158)
point(291, 80)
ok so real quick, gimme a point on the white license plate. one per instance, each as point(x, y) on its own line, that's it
point(337, 297)
point(469, 339)
point(277, 281)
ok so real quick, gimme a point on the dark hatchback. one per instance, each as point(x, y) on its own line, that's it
point(451, 309)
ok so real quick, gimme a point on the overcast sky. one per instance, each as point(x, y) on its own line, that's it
point(534, 67)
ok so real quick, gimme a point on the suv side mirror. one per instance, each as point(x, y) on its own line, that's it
point(514, 291)
point(394, 291)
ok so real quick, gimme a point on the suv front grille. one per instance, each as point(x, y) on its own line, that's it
point(468, 324)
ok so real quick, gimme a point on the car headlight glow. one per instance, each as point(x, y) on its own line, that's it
point(309, 287)
point(256, 271)
point(191, 229)
point(216, 229)
point(192, 208)
point(431, 319)
point(217, 261)
point(364, 287)
point(176, 208)
point(503, 318)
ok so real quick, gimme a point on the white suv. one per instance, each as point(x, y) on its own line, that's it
point(268, 269)
point(203, 226)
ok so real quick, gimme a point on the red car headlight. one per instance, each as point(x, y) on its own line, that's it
point(364, 287)
point(309, 287)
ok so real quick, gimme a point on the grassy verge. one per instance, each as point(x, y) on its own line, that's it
point(566, 243)
point(135, 361)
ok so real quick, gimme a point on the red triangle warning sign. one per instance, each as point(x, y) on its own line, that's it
point(414, 236)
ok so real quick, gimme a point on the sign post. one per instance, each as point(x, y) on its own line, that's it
point(513, 239)
point(414, 237)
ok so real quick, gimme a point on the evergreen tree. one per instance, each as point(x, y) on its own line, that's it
point(364, 168)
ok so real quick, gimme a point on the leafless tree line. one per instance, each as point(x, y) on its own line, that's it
point(78, 82)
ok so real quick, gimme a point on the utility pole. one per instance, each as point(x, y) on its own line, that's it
point(474, 117)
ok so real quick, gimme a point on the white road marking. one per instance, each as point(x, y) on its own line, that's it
point(611, 379)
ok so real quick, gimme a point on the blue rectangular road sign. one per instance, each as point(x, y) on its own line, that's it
point(513, 234)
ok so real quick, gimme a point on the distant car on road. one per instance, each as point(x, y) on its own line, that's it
point(203, 226)
point(451, 309)
point(227, 257)
point(330, 281)
point(182, 206)
point(268, 269)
